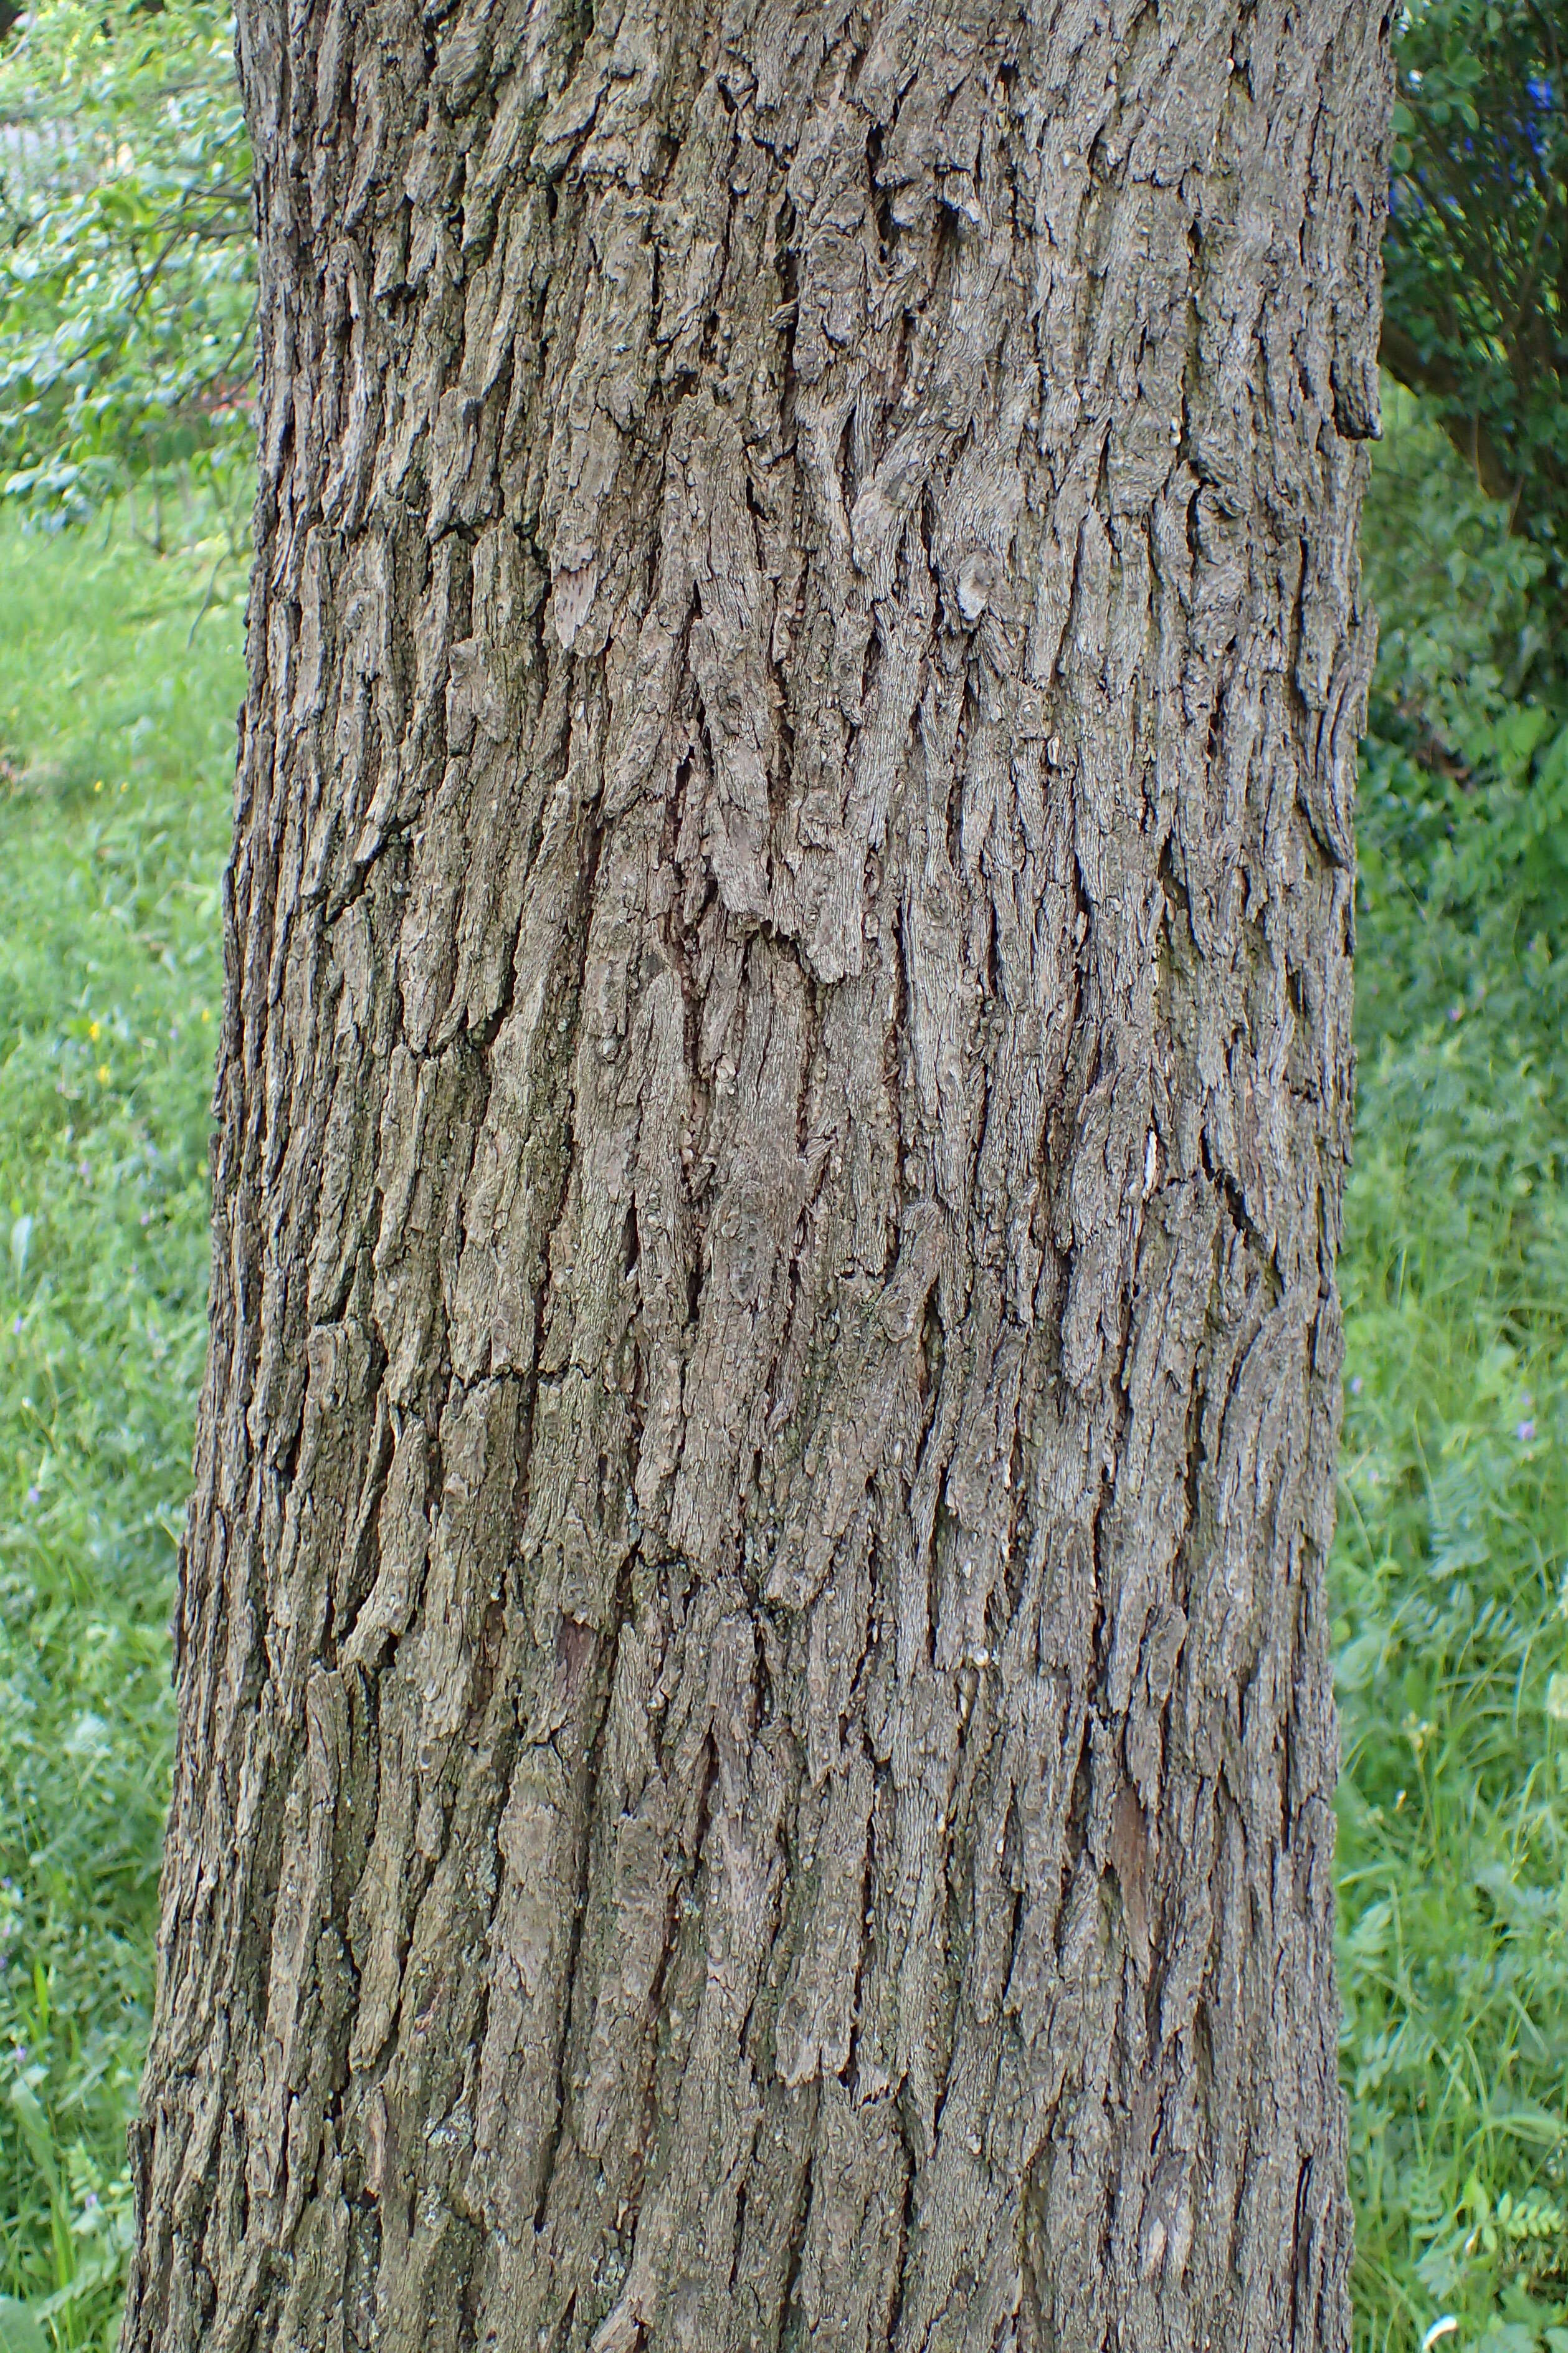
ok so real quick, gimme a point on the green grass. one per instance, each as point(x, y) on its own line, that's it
point(1449, 1569)
point(1449, 1575)
point(116, 738)
point(1454, 1825)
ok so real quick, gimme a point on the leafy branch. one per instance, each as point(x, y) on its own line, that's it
point(127, 263)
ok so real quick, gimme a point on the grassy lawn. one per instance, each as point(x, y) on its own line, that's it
point(116, 748)
point(1451, 1645)
point(116, 736)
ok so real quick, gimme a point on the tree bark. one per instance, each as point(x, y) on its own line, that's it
point(756, 1747)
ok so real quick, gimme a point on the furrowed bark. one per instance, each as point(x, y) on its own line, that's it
point(755, 1743)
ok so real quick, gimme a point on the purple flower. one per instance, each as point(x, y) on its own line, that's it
point(32, 1494)
point(1355, 1386)
point(16, 1325)
point(1525, 1432)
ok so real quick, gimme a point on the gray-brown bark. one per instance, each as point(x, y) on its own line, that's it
point(755, 1745)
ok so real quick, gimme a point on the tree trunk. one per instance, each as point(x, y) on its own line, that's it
point(755, 1745)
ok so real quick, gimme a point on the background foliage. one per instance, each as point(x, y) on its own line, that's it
point(1475, 259)
point(125, 299)
point(126, 266)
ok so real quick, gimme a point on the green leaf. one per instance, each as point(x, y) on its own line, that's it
point(1527, 2120)
point(20, 2332)
point(36, 2131)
